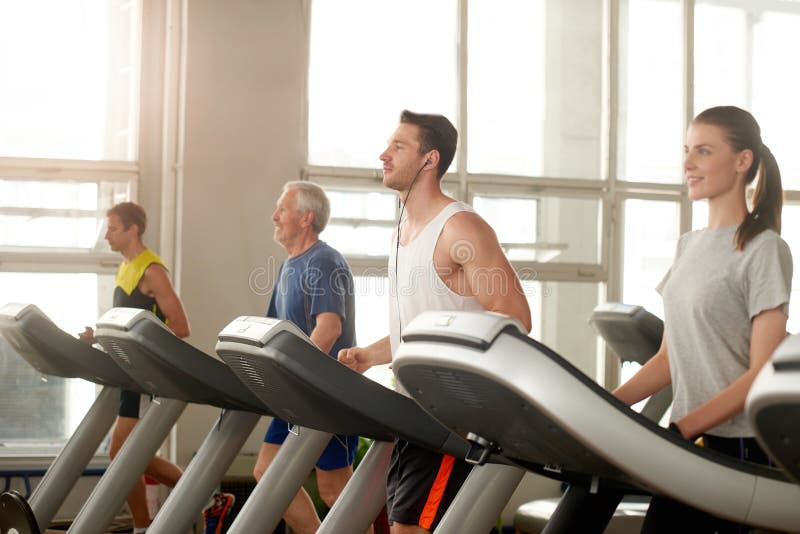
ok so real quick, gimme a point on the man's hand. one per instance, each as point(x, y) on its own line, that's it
point(87, 336)
point(356, 358)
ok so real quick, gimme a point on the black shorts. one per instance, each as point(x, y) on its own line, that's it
point(129, 404)
point(422, 484)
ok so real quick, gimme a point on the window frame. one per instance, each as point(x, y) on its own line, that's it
point(608, 189)
point(158, 168)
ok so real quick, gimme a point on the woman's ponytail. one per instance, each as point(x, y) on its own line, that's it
point(767, 200)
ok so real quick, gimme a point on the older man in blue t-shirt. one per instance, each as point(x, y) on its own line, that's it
point(314, 290)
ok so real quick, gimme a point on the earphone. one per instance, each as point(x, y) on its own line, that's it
point(397, 244)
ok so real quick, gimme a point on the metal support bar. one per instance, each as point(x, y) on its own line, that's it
point(364, 495)
point(137, 451)
point(66, 469)
point(280, 483)
point(206, 469)
point(481, 499)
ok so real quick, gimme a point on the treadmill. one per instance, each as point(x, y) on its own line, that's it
point(51, 351)
point(773, 406)
point(634, 335)
point(175, 373)
point(479, 373)
point(305, 386)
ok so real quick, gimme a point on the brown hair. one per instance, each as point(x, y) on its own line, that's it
point(742, 132)
point(436, 132)
point(130, 213)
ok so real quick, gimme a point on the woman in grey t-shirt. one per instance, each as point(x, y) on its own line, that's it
point(726, 301)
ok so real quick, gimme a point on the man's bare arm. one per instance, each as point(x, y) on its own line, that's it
point(157, 285)
point(472, 244)
point(327, 331)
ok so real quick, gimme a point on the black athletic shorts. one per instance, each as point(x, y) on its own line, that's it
point(422, 484)
point(129, 404)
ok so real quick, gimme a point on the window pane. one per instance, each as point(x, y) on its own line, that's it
point(564, 322)
point(59, 232)
point(56, 214)
point(735, 63)
point(651, 84)
point(651, 235)
point(545, 229)
point(535, 88)
point(57, 405)
point(720, 50)
point(367, 64)
point(361, 222)
point(699, 214)
point(53, 195)
point(363, 205)
point(70, 72)
point(362, 240)
point(372, 320)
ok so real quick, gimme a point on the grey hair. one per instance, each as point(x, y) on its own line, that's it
point(311, 197)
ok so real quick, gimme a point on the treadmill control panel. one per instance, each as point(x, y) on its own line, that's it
point(616, 308)
point(476, 329)
point(125, 318)
point(787, 355)
point(257, 331)
point(15, 310)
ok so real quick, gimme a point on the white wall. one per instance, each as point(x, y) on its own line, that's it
point(245, 137)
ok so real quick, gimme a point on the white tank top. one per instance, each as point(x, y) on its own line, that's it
point(417, 286)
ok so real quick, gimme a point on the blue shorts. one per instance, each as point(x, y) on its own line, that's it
point(340, 451)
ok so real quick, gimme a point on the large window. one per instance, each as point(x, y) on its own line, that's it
point(68, 150)
point(739, 48)
point(572, 117)
point(651, 229)
point(534, 88)
point(70, 72)
point(650, 91)
point(363, 74)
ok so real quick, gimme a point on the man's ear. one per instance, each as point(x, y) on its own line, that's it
point(308, 218)
point(432, 160)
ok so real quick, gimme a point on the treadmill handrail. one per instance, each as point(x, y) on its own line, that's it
point(753, 468)
point(50, 350)
point(305, 363)
point(167, 350)
point(624, 409)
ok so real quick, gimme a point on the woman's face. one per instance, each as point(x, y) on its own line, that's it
point(711, 167)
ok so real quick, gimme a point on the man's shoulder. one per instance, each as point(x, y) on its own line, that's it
point(466, 224)
point(325, 255)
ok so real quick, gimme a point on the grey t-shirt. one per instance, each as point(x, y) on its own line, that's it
point(711, 294)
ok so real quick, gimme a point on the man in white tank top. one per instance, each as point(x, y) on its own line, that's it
point(444, 256)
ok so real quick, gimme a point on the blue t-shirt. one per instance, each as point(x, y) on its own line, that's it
point(317, 281)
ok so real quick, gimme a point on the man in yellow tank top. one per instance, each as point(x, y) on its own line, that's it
point(142, 281)
point(444, 257)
